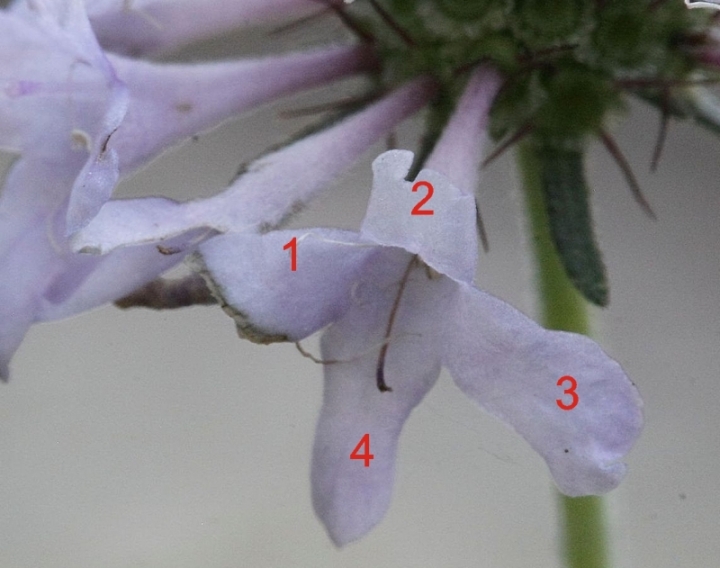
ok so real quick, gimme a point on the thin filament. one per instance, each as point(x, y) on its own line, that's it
point(380, 371)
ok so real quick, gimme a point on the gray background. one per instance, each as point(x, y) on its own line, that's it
point(138, 439)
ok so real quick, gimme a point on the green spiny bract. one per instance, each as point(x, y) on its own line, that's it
point(565, 60)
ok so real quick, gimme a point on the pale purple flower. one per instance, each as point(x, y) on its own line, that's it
point(170, 102)
point(130, 232)
point(400, 304)
point(269, 189)
point(79, 120)
point(151, 26)
point(398, 295)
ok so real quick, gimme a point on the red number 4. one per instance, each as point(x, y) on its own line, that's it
point(570, 390)
point(364, 443)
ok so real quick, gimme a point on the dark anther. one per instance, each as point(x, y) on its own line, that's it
point(480, 224)
point(380, 374)
point(380, 370)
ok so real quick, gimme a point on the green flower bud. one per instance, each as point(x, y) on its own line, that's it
point(577, 100)
point(542, 22)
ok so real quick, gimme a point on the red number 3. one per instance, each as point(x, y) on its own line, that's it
point(570, 390)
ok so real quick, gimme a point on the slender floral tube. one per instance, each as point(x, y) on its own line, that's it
point(171, 102)
point(272, 187)
point(152, 26)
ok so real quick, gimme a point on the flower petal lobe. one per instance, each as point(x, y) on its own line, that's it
point(511, 366)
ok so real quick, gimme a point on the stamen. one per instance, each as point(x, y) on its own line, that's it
point(314, 359)
point(388, 19)
point(662, 133)
point(482, 233)
point(348, 102)
point(380, 371)
point(345, 18)
point(514, 138)
point(296, 23)
point(624, 166)
point(360, 355)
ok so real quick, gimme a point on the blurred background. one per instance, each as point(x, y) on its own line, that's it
point(161, 440)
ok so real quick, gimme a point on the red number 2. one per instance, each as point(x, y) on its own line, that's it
point(292, 245)
point(367, 456)
point(570, 390)
point(417, 210)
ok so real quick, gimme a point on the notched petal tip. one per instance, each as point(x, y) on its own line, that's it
point(430, 217)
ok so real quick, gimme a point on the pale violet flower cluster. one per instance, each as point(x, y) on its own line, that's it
point(80, 118)
point(396, 300)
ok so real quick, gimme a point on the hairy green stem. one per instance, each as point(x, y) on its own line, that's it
point(583, 524)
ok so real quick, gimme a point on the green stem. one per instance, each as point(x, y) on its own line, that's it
point(583, 525)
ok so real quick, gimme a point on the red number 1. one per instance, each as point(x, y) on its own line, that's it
point(367, 456)
point(570, 390)
point(292, 245)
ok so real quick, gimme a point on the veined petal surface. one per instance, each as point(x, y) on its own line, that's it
point(350, 498)
point(139, 27)
point(444, 235)
point(271, 188)
point(254, 277)
point(511, 366)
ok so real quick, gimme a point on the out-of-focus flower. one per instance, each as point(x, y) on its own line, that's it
point(267, 191)
point(152, 26)
point(79, 119)
point(401, 304)
point(398, 296)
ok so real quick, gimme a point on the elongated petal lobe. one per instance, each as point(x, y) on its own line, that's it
point(254, 277)
point(350, 498)
point(511, 366)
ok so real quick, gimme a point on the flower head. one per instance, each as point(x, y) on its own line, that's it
point(400, 302)
point(81, 119)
